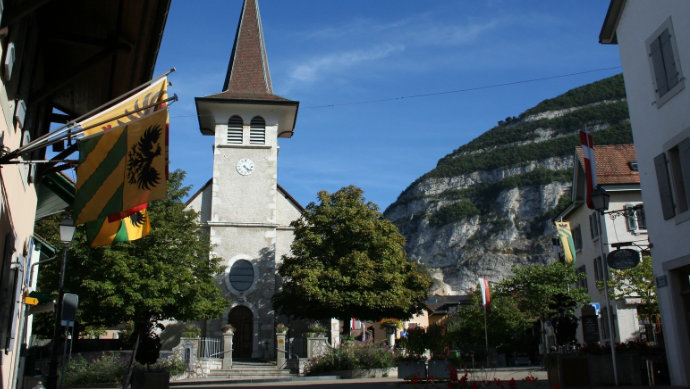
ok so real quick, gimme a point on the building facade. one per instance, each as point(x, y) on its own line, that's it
point(624, 226)
point(654, 44)
point(247, 214)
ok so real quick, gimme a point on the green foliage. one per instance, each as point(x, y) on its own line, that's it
point(109, 368)
point(368, 356)
point(455, 212)
point(414, 343)
point(611, 88)
point(637, 282)
point(544, 291)
point(505, 324)
point(347, 260)
point(167, 274)
point(191, 332)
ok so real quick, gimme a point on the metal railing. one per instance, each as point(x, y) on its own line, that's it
point(211, 348)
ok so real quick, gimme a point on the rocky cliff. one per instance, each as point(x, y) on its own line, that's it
point(487, 205)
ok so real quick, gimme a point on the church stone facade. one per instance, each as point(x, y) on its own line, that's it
point(246, 212)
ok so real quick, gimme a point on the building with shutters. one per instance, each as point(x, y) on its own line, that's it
point(247, 214)
point(653, 39)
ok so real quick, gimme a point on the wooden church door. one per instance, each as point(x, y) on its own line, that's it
point(243, 320)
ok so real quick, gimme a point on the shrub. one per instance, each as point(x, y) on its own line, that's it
point(111, 368)
point(352, 357)
point(191, 332)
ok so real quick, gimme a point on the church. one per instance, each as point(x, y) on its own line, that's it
point(246, 213)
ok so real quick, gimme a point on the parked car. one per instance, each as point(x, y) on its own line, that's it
point(521, 359)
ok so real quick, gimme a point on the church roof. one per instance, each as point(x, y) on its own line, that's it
point(248, 76)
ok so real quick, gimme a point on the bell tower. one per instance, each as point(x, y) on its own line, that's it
point(246, 120)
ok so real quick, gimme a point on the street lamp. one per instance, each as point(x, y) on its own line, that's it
point(67, 229)
point(600, 201)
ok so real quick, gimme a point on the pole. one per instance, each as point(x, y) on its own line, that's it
point(609, 311)
point(53, 367)
point(486, 338)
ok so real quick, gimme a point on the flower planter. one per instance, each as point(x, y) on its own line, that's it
point(412, 369)
point(579, 370)
point(440, 368)
point(367, 373)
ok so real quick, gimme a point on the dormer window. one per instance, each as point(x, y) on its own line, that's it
point(257, 131)
point(633, 165)
point(235, 130)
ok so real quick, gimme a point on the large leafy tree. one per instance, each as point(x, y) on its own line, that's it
point(547, 292)
point(637, 282)
point(348, 261)
point(505, 324)
point(165, 275)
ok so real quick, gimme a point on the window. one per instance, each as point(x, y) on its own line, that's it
point(594, 225)
point(577, 238)
point(663, 58)
point(599, 272)
point(241, 275)
point(634, 216)
point(257, 131)
point(235, 130)
point(673, 178)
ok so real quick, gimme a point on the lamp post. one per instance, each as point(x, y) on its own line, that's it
point(67, 229)
point(600, 200)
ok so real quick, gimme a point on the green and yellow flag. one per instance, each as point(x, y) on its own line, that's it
point(122, 168)
point(567, 242)
point(106, 232)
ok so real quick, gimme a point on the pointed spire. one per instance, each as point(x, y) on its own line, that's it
point(248, 75)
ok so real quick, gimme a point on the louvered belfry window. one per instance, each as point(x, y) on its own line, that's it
point(235, 130)
point(257, 131)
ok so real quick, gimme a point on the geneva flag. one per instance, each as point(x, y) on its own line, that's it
point(106, 232)
point(122, 168)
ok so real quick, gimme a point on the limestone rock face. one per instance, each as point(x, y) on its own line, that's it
point(488, 205)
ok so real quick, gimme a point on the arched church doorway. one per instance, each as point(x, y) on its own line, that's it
point(242, 319)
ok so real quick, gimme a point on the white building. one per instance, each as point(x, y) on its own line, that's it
point(624, 222)
point(246, 212)
point(653, 38)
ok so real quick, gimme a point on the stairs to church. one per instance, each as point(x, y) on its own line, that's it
point(251, 372)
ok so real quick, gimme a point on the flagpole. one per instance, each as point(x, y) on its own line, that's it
point(486, 338)
point(37, 145)
point(69, 125)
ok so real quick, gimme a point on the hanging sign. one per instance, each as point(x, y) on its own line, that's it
point(622, 259)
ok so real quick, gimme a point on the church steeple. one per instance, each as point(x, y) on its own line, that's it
point(248, 74)
point(248, 81)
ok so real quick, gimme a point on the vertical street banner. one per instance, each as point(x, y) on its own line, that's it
point(122, 168)
point(566, 238)
point(590, 165)
point(486, 292)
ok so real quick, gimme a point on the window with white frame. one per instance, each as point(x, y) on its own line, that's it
point(234, 135)
point(673, 178)
point(594, 225)
point(634, 217)
point(663, 59)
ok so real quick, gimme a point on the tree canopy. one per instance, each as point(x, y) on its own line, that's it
point(348, 261)
point(165, 275)
point(637, 282)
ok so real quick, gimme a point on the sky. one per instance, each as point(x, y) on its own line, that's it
point(386, 87)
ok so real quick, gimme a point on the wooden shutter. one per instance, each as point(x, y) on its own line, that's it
point(658, 65)
point(670, 69)
point(6, 291)
point(684, 159)
point(664, 182)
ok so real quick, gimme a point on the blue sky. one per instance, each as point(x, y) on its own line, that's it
point(386, 87)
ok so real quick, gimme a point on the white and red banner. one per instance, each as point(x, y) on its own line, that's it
point(486, 292)
point(355, 324)
point(590, 165)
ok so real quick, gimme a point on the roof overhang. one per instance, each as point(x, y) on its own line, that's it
point(55, 193)
point(213, 110)
point(613, 15)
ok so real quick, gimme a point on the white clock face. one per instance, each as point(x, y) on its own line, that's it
point(245, 166)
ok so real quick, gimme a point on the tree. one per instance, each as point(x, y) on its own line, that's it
point(348, 261)
point(165, 275)
point(504, 321)
point(637, 282)
point(547, 292)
